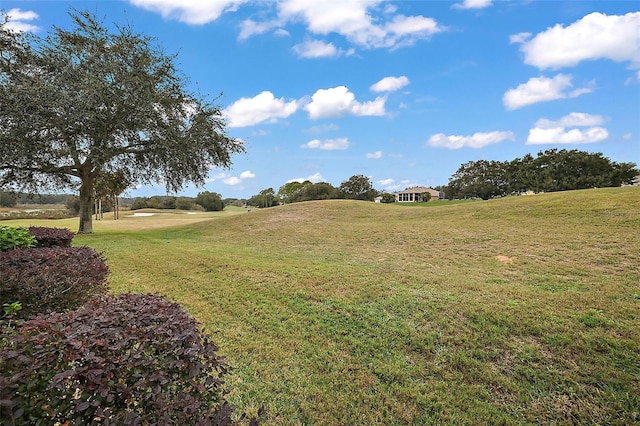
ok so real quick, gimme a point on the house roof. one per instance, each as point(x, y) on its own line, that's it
point(418, 190)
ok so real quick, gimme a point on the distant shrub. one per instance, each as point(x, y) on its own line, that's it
point(50, 237)
point(73, 205)
point(139, 203)
point(127, 359)
point(35, 214)
point(7, 199)
point(12, 238)
point(51, 278)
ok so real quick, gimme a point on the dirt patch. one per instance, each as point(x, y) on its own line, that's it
point(504, 259)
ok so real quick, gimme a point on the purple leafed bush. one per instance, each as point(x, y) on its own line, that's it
point(50, 237)
point(127, 359)
point(51, 278)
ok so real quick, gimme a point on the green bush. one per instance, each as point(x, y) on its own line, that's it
point(210, 201)
point(12, 238)
point(51, 278)
point(127, 359)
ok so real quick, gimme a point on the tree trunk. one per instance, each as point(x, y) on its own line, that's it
point(86, 204)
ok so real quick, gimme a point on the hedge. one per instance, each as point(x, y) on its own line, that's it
point(51, 278)
point(127, 359)
point(50, 237)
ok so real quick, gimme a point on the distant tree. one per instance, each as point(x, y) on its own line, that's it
point(109, 186)
point(210, 201)
point(290, 191)
point(234, 202)
point(552, 170)
point(7, 199)
point(73, 205)
point(82, 101)
point(522, 175)
point(562, 170)
point(623, 174)
point(184, 203)
point(139, 203)
point(479, 179)
point(318, 191)
point(388, 197)
point(358, 187)
point(266, 198)
point(154, 202)
point(425, 197)
point(169, 203)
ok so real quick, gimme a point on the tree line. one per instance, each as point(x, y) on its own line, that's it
point(207, 201)
point(550, 171)
point(357, 187)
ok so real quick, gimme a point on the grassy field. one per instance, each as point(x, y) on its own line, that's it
point(511, 311)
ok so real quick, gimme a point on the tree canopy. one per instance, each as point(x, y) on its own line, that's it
point(210, 201)
point(86, 102)
point(552, 170)
point(266, 198)
point(358, 187)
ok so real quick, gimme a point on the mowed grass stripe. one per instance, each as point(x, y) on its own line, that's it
point(517, 310)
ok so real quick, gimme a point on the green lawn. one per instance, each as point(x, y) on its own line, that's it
point(511, 311)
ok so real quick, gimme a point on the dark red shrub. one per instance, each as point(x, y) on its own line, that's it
point(50, 237)
point(127, 359)
point(51, 278)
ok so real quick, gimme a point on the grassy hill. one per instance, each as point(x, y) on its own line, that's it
point(510, 311)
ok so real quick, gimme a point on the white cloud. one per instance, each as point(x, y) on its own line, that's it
point(16, 20)
point(327, 144)
point(595, 36)
point(315, 49)
point(538, 136)
point(262, 107)
point(232, 180)
point(519, 38)
point(374, 155)
point(217, 176)
point(314, 178)
point(634, 79)
point(472, 4)
point(542, 89)
point(390, 84)
point(319, 49)
point(477, 140)
point(547, 131)
point(574, 119)
point(339, 101)
point(250, 27)
point(369, 23)
point(386, 182)
point(402, 26)
point(358, 21)
point(323, 128)
point(194, 12)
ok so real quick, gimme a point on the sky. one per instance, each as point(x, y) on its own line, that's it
point(403, 92)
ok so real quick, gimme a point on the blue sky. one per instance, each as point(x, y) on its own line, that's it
point(403, 92)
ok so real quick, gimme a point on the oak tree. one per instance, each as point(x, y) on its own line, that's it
point(86, 101)
point(358, 187)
